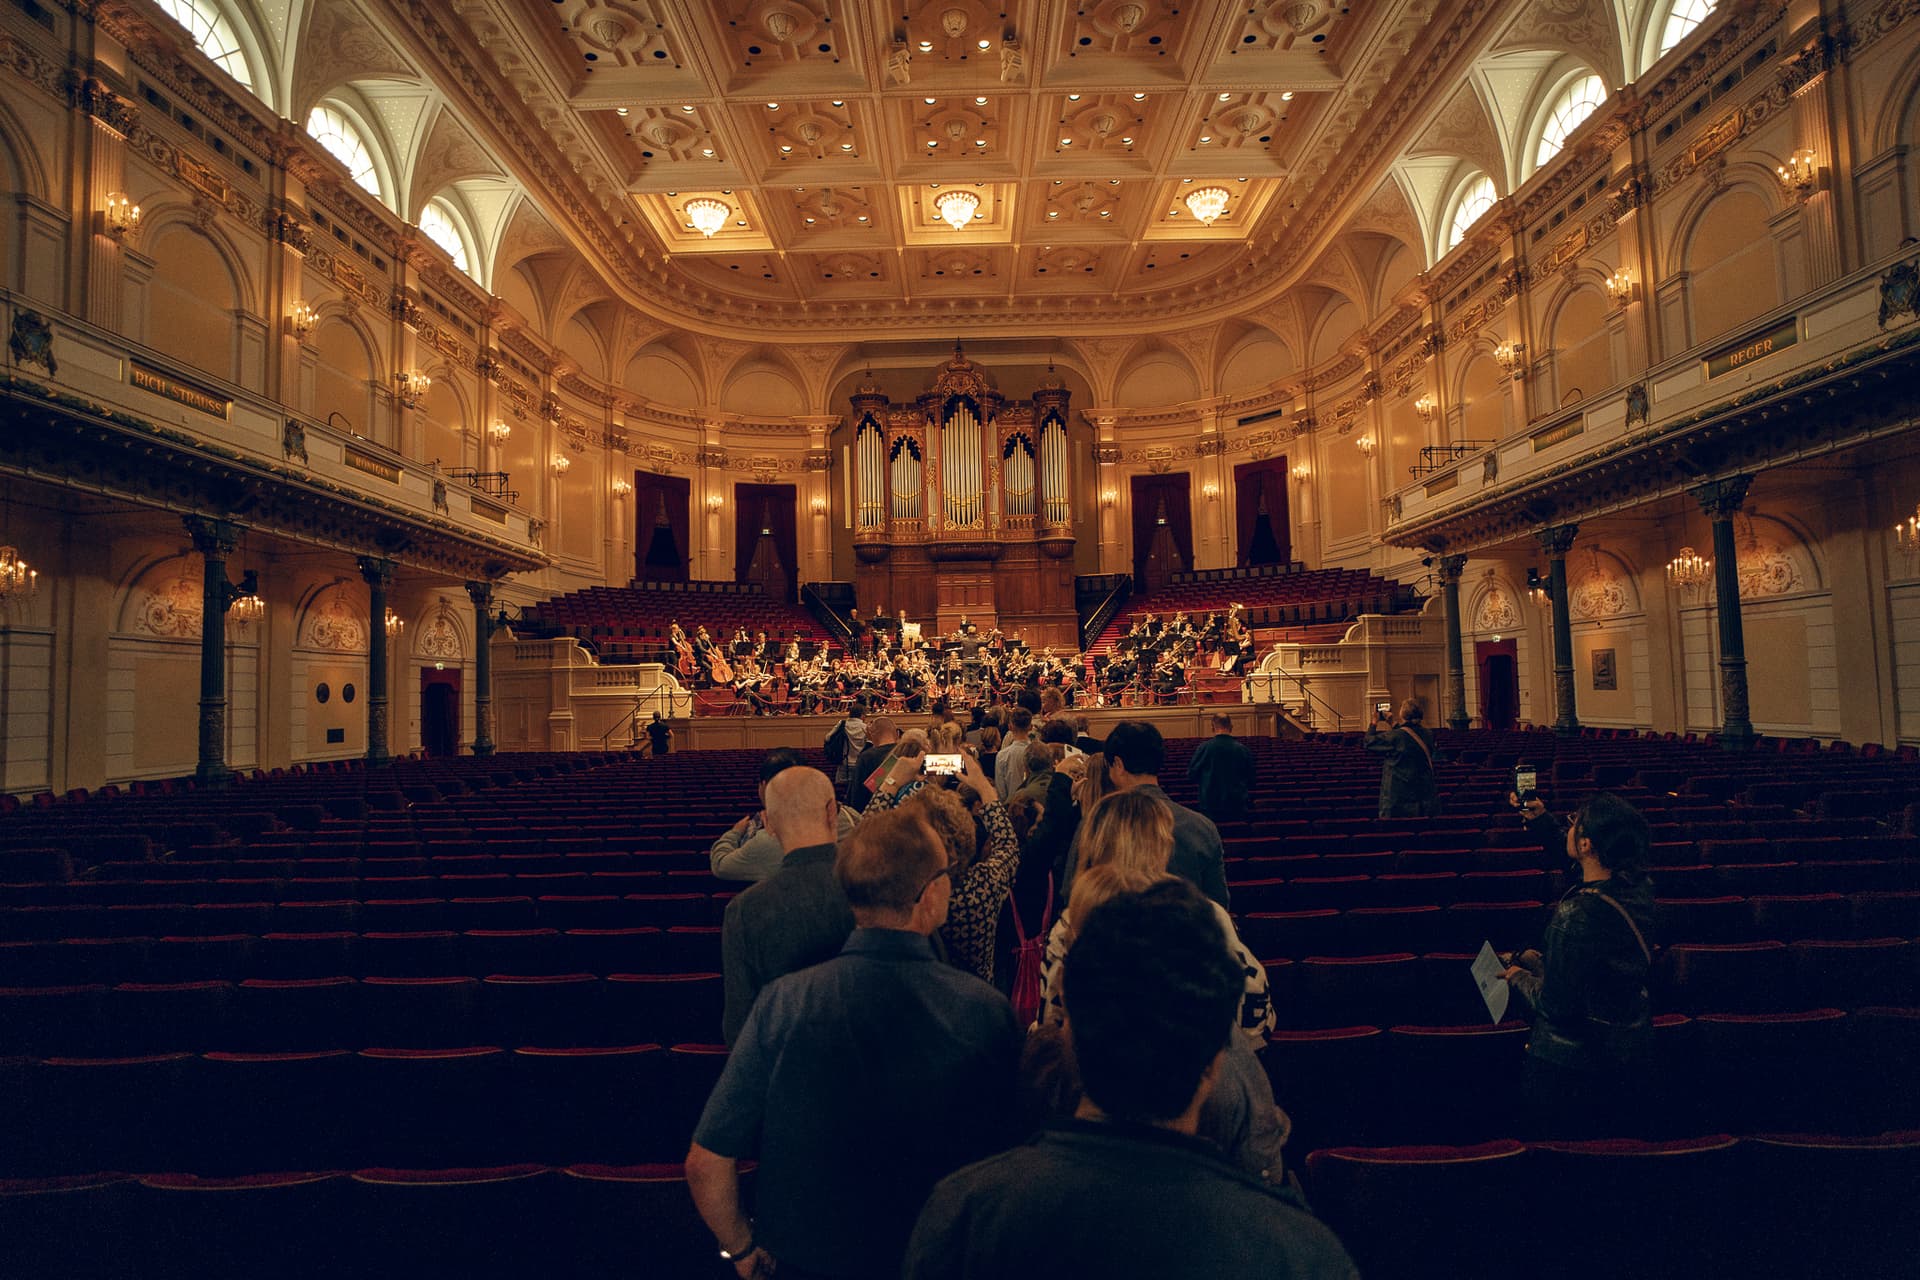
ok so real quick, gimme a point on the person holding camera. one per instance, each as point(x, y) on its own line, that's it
point(1588, 1056)
point(1409, 784)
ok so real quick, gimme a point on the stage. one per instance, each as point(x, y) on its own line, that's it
point(763, 733)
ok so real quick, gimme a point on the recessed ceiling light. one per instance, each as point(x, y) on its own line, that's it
point(1127, 141)
point(1073, 97)
point(1114, 182)
point(933, 142)
point(986, 44)
point(1139, 97)
point(846, 146)
point(863, 217)
point(1066, 142)
point(979, 142)
point(707, 152)
point(979, 102)
point(1240, 179)
point(926, 46)
point(1186, 179)
point(741, 223)
point(1206, 137)
point(1287, 96)
point(786, 147)
point(1057, 181)
point(1226, 97)
point(773, 106)
point(809, 221)
point(929, 101)
point(839, 104)
point(686, 106)
point(619, 111)
point(1105, 213)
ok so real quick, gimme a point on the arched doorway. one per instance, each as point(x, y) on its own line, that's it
point(1499, 667)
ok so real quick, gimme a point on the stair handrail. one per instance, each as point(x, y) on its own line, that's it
point(1102, 614)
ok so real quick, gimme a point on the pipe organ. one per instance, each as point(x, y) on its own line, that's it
point(953, 490)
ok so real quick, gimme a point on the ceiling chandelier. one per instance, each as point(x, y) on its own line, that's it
point(18, 579)
point(1906, 535)
point(708, 215)
point(395, 624)
point(1207, 204)
point(957, 207)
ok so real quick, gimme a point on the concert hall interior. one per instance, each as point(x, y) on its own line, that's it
point(419, 416)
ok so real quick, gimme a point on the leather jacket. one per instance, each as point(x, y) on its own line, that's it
point(1589, 994)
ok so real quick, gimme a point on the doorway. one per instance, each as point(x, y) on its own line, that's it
point(440, 712)
point(1499, 666)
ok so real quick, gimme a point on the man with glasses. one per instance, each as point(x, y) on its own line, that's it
point(859, 1083)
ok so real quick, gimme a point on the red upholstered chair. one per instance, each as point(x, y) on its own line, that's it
point(1410, 1213)
point(1772, 1071)
point(1867, 971)
point(458, 1221)
point(276, 1111)
point(523, 951)
point(171, 1017)
point(420, 1013)
point(1433, 1071)
point(605, 951)
point(690, 949)
point(44, 1021)
point(1725, 918)
point(1294, 933)
point(225, 956)
point(1729, 977)
point(669, 1007)
point(248, 1224)
point(1327, 1081)
point(336, 916)
point(403, 915)
point(558, 1011)
point(1341, 990)
point(692, 1071)
point(603, 1103)
point(76, 1226)
point(1648, 1209)
point(1859, 1192)
point(87, 1114)
point(1374, 930)
point(1886, 1054)
point(636, 1219)
point(425, 954)
point(291, 1014)
point(421, 1108)
point(1799, 916)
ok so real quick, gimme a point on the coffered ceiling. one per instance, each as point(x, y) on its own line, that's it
point(830, 130)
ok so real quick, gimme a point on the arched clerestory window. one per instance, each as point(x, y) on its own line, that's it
point(1569, 111)
point(343, 140)
point(213, 34)
point(1475, 200)
point(440, 225)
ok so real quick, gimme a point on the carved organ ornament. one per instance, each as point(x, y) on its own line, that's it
point(961, 468)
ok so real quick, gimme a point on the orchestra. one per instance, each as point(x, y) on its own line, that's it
point(889, 660)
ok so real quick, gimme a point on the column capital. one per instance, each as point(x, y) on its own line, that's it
point(1557, 540)
point(377, 570)
point(1451, 567)
point(213, 538)
point(1721, 499)
point(481, 593)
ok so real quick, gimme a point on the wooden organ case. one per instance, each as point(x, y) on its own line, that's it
point(963, 508)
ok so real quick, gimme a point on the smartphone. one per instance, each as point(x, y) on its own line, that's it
point(1525, 784)
point(1383, 709)
point(945, 764)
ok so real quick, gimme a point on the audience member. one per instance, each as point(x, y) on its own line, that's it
point(1408, 785)
point(1135, 754)
point(882, 735)
point(858, 1083)
point(1010, 765)
point(1224, 769)
point(1125, 1189)
point(982, 876)
point(1240, 1116)
point(659, 735)
point(748, 850)
point(845, 743)
point(1587, 1068)
point(797, 916)
point(1134, 830)
point(943, 737)
point(1060, 731)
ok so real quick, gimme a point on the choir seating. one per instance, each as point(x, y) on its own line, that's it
point(420, 993)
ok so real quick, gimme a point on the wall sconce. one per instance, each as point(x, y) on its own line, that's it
point(121, 216)
point(300, 321)
point(1210, 491)
point(499, 431)
point(1426, 406)
point(1109, 499)
point(1539, 588)
point(1365, 445)
point(1906, 536)
point(1302, 472)
point(411, 387)
point(1509, 356)
point(715, 502)
point(247, 609)
point(395, 624)
point(819, 506)
point(1799, 174)
point(621, 489)
point(1620, 287)
point(560, 464)
point(18, 579)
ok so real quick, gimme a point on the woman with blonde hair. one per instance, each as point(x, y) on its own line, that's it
point(944, 738)
point(1133, 832)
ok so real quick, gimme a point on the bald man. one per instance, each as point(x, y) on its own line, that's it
point(796, 917)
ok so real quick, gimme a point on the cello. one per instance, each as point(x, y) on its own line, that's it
point(718, 666)
point(687, 665)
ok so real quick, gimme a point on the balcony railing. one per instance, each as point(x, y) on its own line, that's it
point(495, 484)
point(1434, 457)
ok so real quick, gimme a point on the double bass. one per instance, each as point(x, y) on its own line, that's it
point(718, 667)
point(687, 665)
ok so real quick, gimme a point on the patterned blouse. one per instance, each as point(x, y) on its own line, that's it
point(973, 919)
point(1256, 1006)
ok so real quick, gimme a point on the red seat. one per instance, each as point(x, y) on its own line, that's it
point(1869, 971)
point(1325, 1081)
point(1432, 1069)
point(276, 1111)
point(670, 1007)
point(1658, 1209)
point(77, 1226)
point(1729, 977)
point(601, 1102)
point(47, 1021)
point(170, 1017)
point(1860, 1191)
point(1436, 1198)
point(1798, 916)
point(621, 1212)
point(1338, 990)
point(248, 1224)
point(424, 1108)
point(1294, 934)
point(1770, 1071)
point(290, 1014)
point(420, 1013)
point(551, 1010)
point(431, 953)
point(500, 1220)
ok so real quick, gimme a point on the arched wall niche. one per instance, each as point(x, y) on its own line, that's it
point(196, 287)
point(1333, 329)
point(587, 346)
point(440, 632)
point(1152, 375)
point(1483, 396)
point(346, 370)
point(444, 419)
point(664, 377)
point(1726, 248)
point(1581, 344)
point(763, 388)
point(1255, 358)
point(333, 619)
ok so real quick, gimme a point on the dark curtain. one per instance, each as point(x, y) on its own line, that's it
point(1148, 494)
point(770, 507)
point(649, 491)
point(1253, 481)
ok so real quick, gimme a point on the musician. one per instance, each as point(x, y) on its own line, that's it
point(1168, 676)
point(791, 657)
point(703, 651)
point(750, 685)
point(741, 644)
point(675, 636)
point(763, 651)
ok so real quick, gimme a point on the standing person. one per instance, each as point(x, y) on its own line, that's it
point(1010, 765)
point(858, 1083)
point(1409, 787)
point(660, 734)
point(882, 735)
point(1135, 753)
point(1224, 768)
point(1125, 1189)
point(846, 742)
point(797, 916)
point(750, 849)
point(1588, 1057)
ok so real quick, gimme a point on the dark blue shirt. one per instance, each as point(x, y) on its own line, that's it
point(857, 1084)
